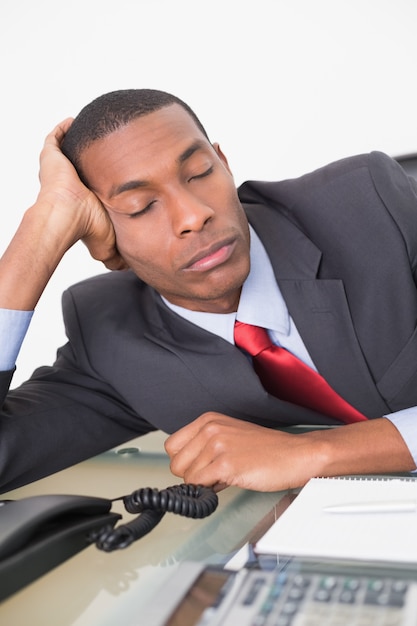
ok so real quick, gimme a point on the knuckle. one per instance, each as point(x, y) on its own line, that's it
point(175, 467)
point(218, 446)
point(211, 429)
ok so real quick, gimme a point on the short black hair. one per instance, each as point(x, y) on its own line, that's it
point(111, 111)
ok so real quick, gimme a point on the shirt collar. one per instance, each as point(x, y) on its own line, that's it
point(261, 302)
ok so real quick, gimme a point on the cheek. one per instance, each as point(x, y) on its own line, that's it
point(132, 240)
point(141, 251)
point(146, 233)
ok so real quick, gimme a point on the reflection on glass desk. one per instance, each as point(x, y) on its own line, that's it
point(96, 588)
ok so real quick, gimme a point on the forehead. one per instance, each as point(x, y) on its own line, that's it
point(146, 142)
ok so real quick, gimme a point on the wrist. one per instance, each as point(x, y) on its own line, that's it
point(33, 255)
point(345, 449)
point(319, 453)
point(55, 224)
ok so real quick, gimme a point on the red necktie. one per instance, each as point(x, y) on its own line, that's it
point(286, 377)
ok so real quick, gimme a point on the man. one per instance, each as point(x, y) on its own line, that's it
point(327, 263)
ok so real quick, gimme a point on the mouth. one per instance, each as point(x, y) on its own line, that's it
point(211, 257)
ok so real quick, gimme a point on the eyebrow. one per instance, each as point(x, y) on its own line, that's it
point(137, 183)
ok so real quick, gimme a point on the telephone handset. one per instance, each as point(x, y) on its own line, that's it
point(40, 532)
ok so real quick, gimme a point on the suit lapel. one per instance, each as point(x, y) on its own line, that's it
point(319, 309)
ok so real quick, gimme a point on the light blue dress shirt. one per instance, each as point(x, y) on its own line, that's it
point(261, 303)
point(13, 328)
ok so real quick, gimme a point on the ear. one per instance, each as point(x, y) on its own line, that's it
point(222, 156)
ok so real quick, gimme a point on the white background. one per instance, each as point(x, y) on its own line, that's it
point(285, 86)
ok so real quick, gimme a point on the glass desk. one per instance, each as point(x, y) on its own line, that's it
point(94, 588)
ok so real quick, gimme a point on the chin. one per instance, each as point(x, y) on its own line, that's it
point(223, 298)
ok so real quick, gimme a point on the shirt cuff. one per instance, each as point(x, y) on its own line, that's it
point(13, 328)
point(406, 423)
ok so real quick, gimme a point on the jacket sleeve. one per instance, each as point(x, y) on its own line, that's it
point(57, 418)
point(5, 380)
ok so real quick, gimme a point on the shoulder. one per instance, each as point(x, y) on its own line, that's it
point(116, 303)
point(364, 169)
point(106, 283)
point(113, 293)
point(368, 194)
point(365, 182)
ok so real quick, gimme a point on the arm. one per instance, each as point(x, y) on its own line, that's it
point(219, 450)
point(41, 423)
point(59, 417)
point(64, 212)
point(62, 415)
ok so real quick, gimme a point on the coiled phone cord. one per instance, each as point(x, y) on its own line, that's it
point(188, 500)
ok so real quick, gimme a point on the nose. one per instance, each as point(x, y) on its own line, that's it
point(189, 214)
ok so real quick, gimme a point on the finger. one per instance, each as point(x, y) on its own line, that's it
point(116, 263)
point(199, 472)
point(175, 442)
point(209, 471)
point(218, 487)
point(105, 252)
point(206, 455)
point(58, 132)
point(186, 457)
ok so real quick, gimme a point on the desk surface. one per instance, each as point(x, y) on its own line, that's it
point(94, 588)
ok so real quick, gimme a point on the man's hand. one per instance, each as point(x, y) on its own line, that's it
point(220, 451)
point(80, 214)
point(64, 212)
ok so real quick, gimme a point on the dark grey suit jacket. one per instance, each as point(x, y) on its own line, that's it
point(343, 244)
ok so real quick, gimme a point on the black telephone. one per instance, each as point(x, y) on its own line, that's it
point(40, 532)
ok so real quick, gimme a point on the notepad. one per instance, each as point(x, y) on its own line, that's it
point(307, 528)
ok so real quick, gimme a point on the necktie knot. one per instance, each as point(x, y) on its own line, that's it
point(253, 339)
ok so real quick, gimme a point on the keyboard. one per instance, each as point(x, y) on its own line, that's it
point(302, 599)
point(295, 593)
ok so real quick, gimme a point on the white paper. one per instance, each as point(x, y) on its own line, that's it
point(306, 529)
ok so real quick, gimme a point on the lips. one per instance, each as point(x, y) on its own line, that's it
point(211, 257)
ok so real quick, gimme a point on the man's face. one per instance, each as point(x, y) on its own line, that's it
point(173, 203)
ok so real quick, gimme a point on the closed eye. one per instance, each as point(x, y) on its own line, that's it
point(142, 211)
point(203, 174)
